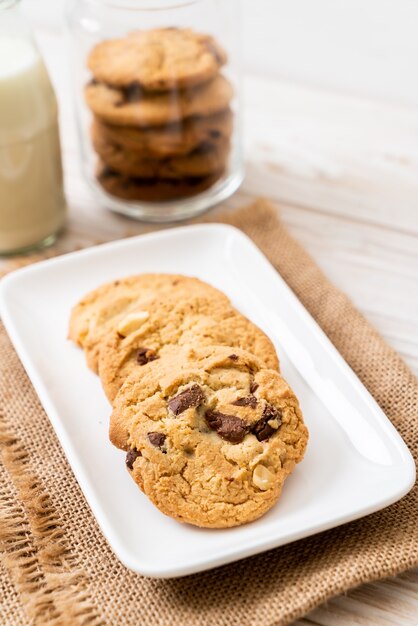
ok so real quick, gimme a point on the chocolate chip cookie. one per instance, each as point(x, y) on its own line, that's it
point(132, 106)
point(158, 59)
point(203, 161)
point(153, 189)
point(170, 140)
point(95, 314)
point(147, 332)
point(211, 434)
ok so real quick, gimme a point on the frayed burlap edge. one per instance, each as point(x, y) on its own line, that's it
point(34, 545)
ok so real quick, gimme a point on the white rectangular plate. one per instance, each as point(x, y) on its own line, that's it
point(356, 462)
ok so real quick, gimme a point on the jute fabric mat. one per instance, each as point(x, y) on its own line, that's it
point(56, 567)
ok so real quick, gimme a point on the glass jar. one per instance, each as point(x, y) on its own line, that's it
point(158, 102)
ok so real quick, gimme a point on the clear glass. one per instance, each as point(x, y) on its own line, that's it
point(32, 204)
point(158, 111)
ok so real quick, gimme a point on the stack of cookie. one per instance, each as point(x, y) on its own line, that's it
point(210, 428)
point(162, 119)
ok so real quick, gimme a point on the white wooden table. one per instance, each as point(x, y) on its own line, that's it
point(344, 175)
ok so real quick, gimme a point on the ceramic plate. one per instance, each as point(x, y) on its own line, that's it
point(356, 462)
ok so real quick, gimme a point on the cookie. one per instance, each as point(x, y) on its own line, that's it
point(158, 60)
point(94, 315)
point(198, 318)
point(171, 140)
point(212, 435)
point(83, 312)
point(132, 106)
point(153, 189)
point(202, 161)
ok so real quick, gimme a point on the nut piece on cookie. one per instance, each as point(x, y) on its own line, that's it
point(263, 478)
point(131, 322)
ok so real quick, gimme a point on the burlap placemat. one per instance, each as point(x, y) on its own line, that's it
point(57, 569)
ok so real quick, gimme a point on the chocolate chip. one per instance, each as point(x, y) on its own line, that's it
point(233, 357)
point(215, 134)
point(253, 387)
point(131, 456)
point(157, 440)
point(229, 427)
point(107, 172)
point(272, 413)
point(145, 355)
point(246, 401)
point(203, 148)
point(193, 396)
point(262, 429)
point(133, 92)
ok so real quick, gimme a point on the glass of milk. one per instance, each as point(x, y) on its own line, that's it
point(32, 203)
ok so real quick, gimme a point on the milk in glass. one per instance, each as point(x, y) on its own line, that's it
point(32, 204)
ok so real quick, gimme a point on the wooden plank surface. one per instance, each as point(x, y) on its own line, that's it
point(344, 175)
